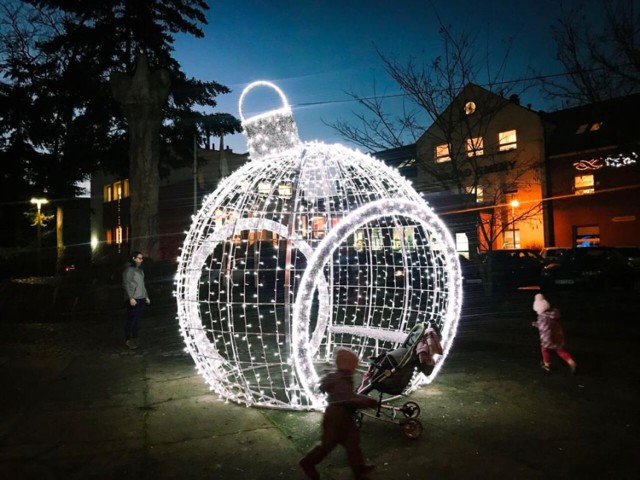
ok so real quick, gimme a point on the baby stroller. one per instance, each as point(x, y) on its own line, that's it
point(390, 373)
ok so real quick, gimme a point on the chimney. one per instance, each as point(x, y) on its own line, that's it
point(515, 99)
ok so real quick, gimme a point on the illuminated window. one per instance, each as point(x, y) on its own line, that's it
point(409, 238)
point(470, 108)
point(587, 235)
point(595, 127)
point(511, 237)
point(397, 238)
point(302, 225)
point(475, 146)
point(108, 237)
point(462, 244)
point(583, 184)
point(507, 140)
point(264, 188)
point(118, 234)
point(477, 191)
point(117, 191)
point(284, 190)
point(219, 218)
point(442, 153)
point(406, 235)
point(358, 240)
point(319, 226)
point(377, 243)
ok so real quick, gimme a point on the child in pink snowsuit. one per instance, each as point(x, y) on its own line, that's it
point(551, 333)
point(338, 424)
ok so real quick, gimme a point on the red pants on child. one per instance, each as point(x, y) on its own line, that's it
point(562, 353)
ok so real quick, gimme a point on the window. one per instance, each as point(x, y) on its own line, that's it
point(511, 238)
point(319, 226)
point(593, 127)
point(462, 244)
point(470, 108)
point(586, 235)
point(116, 191)
point(404, 235)
point(407, 163)
point(475, 146)
point(477, 191)
point(358, 240)
point(507, 140)
point(583, 184)
point(284, 190)
point(442, 153)
point(377, 243)
point(264, 188)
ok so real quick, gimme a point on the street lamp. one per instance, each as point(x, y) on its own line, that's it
point(39, 223)
point(514, 204)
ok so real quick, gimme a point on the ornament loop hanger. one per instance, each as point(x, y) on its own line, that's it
point(262, 83)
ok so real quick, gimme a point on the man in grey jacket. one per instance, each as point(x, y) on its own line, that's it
point(136, 297)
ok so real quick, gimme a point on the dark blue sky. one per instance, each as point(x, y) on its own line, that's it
point(317, 50)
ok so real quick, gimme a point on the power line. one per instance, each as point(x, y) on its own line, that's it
point(484, 85)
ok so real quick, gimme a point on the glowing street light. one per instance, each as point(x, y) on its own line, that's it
point(514, 204)
point(39, 223)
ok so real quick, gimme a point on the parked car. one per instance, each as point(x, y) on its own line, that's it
point(552, 254)
point(471, 272)
point(518, 267)
point(632, 254)
point(598, 267)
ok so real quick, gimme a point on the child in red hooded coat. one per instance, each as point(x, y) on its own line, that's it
point(551, 333)
point(338, 424)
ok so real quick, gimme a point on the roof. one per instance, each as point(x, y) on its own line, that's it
point(611, 124)
point(395, 157)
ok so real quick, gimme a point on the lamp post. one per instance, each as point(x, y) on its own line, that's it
point(514, 204)
point(39, 222)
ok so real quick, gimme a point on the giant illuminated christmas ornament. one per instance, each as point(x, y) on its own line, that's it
point(306, 248)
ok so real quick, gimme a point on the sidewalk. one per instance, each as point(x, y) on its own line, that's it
point(75, 404)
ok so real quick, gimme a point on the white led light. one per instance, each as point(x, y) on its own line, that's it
point(308, 249)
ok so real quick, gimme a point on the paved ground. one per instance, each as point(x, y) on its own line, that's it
point(75, 404)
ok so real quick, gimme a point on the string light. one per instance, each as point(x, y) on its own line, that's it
point(307, 248)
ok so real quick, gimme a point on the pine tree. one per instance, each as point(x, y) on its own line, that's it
point(73, 48)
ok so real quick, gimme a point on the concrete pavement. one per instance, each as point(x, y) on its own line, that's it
point(75, 404)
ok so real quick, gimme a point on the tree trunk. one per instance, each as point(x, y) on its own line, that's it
point(142, 97)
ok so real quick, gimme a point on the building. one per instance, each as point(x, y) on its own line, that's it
point(180, 195)
point(488, 153)
point(531, 179)
point(594, 174)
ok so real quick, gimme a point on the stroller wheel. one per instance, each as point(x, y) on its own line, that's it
point(412, 429)
point(411, 410)
point(358, 419)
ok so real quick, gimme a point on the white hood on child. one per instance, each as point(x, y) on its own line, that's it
point(540, 304)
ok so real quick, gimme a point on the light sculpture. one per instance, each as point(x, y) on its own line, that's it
point(307, 248)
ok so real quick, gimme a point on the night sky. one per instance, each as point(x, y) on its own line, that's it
point(317, 50)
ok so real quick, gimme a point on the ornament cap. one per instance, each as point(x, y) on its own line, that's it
point(270, 132)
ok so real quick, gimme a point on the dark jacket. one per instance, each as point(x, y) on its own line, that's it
point(338, 386)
